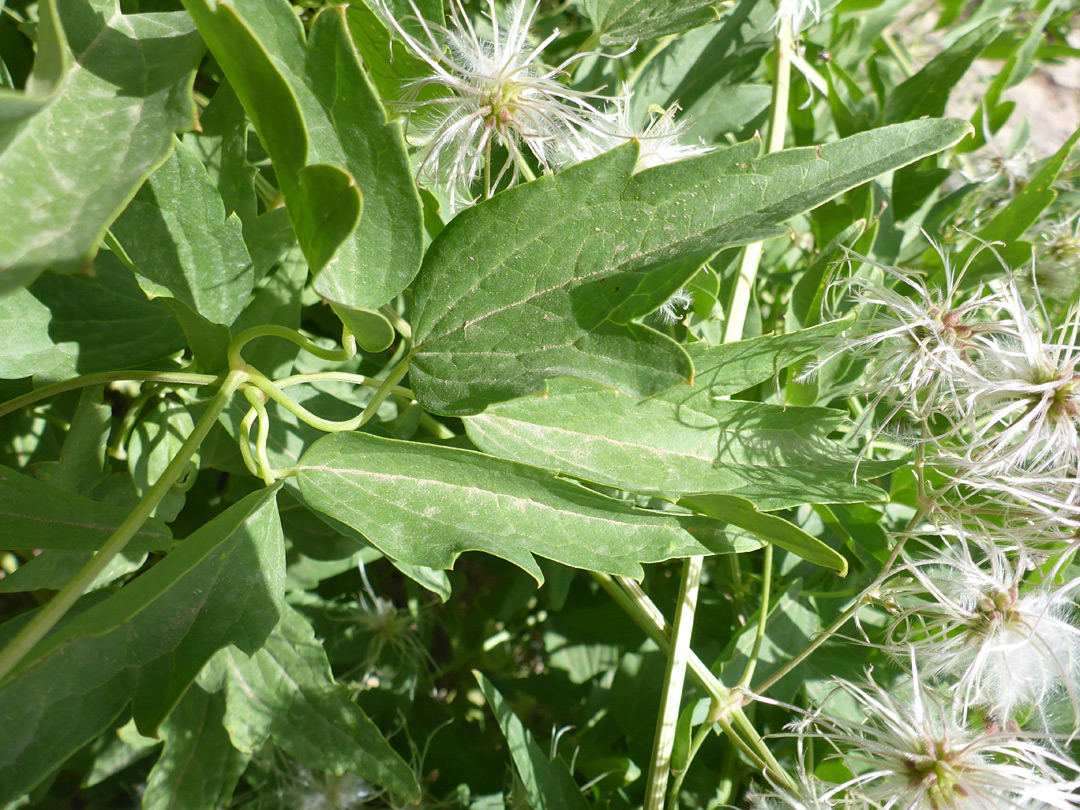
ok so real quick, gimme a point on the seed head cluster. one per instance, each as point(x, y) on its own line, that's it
point(982, 615)
point(491, 102)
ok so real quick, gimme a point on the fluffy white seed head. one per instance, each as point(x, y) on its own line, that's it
point(661, 140)
point(1003, 648)
point(797, 14)
point(486, 91)
point(913, 753)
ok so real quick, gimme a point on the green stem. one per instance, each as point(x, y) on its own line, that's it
point(674, 677)
point(699, 738)
point(274, 392)
point(172, 378)
point(38, 627)
point(763, 617)
point(347, 351)
point(729, 715)
point(257, 400)
point(841, 620)
point(388, 387)
point(744, 282)
point(399, 323)
point(487, 170)
point(687, 601)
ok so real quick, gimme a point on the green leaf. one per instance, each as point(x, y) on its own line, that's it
point(51, 65)
point(729, 368)
point(327, 134)
point(1024, 208)
point(548, 783)
point(371, 329)
point(72, 166)
point(389, 62)
point(689, 439)
point(62, 326)
point(625, 22)
point(927, 92)
point(145, 644)
point(992, 113)
point(181, 244)
point(286, 692)
point(544, 280)
point(53, 568)
point(425, 505)
point(742, 513)
point(198, 766)
point(34, 514)
point(81, 466)
point(712, 74)
point(222, 147)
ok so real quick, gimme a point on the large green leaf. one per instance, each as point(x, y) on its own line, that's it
point(544, 280)
point(181, 244)
point(286, 692)
point(624, 22)
point(222, 146)
point(145, 644)
point(35, 515)
point(548, 783)
point(425, 505)
point(327, 134)
point(776, 457)
point(198, 766)
point(73, 165)
point(66, 325)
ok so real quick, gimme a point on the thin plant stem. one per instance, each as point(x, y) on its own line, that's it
point(244, 442)
point(674, 677)
point(46, 619)
point(840, 621)
point(274, 392)
point(168, 378)
point(763, 617)
point(257, 399)
point(487, 170)
point(751, 259)
point(700, 735)
point(386, 389)
point(399, 323)
point(729, 714)
point(346, 352)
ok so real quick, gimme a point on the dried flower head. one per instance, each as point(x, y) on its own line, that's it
point(660, 140)
point(919, 340)
point(965, 614)
point(914, 753)
point(795, 13)
point(1025, 400)
point(489, 91)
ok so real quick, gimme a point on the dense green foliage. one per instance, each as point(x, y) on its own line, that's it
point(267, 395)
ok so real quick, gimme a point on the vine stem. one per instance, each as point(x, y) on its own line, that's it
point(748, 268)
point(727, 711)
point(173, 378)
point(686, 605)
point(840, 621)
point(763, 617)
point(47, 618)
point(674, 677)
